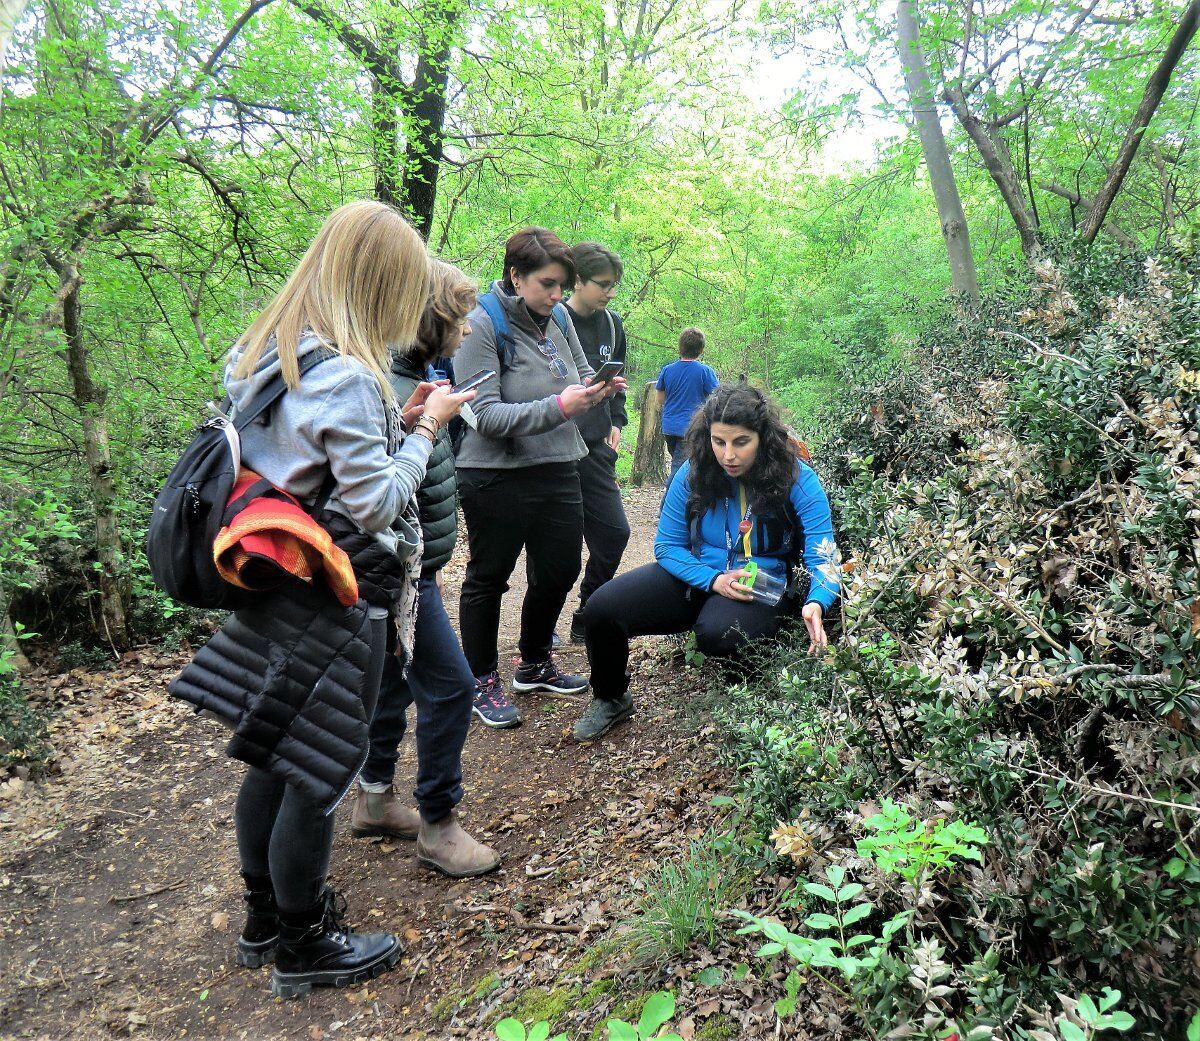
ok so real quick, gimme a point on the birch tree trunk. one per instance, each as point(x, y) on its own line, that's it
point(937, 158)
point(90, 400)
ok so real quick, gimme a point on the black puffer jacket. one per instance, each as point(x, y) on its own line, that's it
point(287, 675)
point(436, 498)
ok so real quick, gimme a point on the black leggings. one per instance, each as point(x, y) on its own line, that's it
point(280, 832)
point(649, 601)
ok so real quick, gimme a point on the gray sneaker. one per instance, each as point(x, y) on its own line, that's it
point(601, 716)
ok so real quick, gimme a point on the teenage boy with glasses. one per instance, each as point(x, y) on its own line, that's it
point(602, 336)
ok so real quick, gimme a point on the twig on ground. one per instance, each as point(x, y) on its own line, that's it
point(521, 922)
point(179, 883)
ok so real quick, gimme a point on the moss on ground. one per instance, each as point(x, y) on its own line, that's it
point(717, 1028)
point(538, 1004)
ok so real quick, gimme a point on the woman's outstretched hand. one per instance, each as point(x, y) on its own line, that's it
point(814, 621)
point(727, 585)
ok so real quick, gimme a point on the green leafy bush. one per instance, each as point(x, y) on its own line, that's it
point(1018, 651)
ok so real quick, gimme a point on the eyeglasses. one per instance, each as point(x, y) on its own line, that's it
point(549, 350)
point(608, 287)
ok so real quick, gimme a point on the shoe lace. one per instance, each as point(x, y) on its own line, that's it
point(336, 909)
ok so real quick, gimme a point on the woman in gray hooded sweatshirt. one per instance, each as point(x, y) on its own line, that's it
point(518, 477)
point(359, 289)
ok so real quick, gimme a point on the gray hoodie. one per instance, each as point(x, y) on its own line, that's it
point(335, 420)
point(517, 418)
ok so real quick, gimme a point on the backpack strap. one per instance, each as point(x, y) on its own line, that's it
point(559, 313)
point(505, 345)
point(263, 400)
point(612, 335)
point(276, 387)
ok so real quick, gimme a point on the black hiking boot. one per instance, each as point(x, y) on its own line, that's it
point(578, 629)
point(317, 949)
point(260, 935)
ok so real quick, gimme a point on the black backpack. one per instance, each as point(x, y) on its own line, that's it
point(193, 505)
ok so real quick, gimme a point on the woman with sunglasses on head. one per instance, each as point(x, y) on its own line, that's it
point(740, 512)
point(518, 476)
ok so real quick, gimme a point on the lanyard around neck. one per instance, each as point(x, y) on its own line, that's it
point(745, 526)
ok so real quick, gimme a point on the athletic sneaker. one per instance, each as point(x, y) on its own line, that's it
point(545, 675)
point(491, 706)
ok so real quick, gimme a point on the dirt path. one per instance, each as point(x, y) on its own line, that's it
point(119, 894)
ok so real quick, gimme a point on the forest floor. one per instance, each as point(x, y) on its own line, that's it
point(120, 898)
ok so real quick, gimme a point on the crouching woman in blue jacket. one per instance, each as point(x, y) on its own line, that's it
point(741, 499)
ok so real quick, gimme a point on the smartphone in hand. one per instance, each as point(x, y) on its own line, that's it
point(609, 370)
point(482, 376)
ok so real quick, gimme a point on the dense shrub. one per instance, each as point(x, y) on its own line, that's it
point(1018, 652)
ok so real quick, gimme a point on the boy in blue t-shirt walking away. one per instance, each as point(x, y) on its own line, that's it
point(682, 387)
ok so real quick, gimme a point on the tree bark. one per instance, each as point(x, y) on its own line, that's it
point(1075, 199)
point(649, 454)
point(1156, 87)
point(937, 158)
point(1000, 168)
point(427, 119)
point(9, 641)
point(90, 400)
point(385, 140)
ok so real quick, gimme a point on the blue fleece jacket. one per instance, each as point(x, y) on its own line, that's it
point(719, 528)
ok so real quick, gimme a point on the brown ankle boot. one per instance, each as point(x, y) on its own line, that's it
point(379, 813)
point(452, 851)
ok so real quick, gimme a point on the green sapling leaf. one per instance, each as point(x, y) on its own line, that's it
point(659, 1007)
point(510, 1030)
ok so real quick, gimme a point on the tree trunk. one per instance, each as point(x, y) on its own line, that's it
point(650, 452)
point(90, 400)
point(1156, 87)
point(999, 166)
point(1075, 199)
point(427, 120)
point(937, 158)
point(385, 140)
point(9, 641)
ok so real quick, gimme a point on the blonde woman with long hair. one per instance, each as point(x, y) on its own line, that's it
point(301, 671)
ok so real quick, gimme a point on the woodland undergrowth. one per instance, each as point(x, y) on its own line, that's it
point(988, 791)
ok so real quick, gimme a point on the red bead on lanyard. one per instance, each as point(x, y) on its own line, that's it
point(746, 525)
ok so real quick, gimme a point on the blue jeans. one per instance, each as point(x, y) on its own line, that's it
point(678, 451)
point(441, 683)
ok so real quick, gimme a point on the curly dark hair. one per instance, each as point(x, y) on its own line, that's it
point(769, 482)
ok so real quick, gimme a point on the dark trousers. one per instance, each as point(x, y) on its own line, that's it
point(605, 526)
point(675, 447)
point(649, 601)
point(282, 833)
point(535, 508)
point(440, 682)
